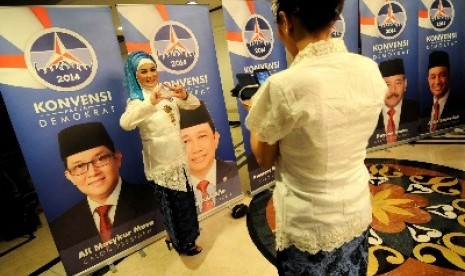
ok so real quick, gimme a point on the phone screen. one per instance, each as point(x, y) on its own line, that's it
point(261, 75)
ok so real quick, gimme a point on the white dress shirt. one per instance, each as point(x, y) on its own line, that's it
point(112, 200)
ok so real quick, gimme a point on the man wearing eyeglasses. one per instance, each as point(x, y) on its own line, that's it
point(112, 206)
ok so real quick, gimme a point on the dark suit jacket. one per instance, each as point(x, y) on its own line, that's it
point(77, 224)
point(454, 106)
point(225, 170)
point(227, 182)
point(409, 120)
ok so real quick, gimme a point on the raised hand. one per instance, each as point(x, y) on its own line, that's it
point(157, 95)
point(178, 91)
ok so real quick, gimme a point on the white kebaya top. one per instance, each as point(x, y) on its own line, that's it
point(321, 111)
point(164, 154)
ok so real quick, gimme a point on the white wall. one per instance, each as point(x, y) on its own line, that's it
point(222, 54)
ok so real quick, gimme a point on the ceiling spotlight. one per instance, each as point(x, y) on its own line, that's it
point(191, 3)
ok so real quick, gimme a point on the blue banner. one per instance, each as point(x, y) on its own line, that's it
point(389, 35)
point(180, 38)
point(61, 67)
point(244, 22)
point(441, 64)
point(253, 44)
point(347, 26)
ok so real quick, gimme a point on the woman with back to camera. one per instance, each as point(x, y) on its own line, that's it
point(312, 121)
point(153, 108)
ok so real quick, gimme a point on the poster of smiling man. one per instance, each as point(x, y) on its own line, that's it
point(441, 64)
point(180, 39)
point(389, 36)
point(61, 80)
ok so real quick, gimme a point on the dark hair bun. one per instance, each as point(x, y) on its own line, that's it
point(314, 15)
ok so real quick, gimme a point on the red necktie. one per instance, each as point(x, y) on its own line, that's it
point(105, 223)
point(207, 202)
point(391, 135)
point(435, 116)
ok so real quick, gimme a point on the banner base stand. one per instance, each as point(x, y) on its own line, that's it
point(142, 253)
point(228, 205)
point(269, 186)
point(112, 268)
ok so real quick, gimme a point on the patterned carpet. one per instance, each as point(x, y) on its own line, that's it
point(418, 223)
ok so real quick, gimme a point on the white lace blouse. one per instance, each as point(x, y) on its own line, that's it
point(321, 111)
point(164, 154)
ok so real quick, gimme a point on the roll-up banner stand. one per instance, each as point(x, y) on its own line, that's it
point(347, 26)
point(441, 66)
point(389, 35)
point(180, 38)
point(61, 67)
point(252, 44)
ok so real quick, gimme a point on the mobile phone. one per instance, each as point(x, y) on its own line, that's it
point(261, 75)
point(246, 86)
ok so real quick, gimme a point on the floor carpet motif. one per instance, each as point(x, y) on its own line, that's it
point(418, 225)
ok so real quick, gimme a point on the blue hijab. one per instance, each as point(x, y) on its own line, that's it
point(130, 68)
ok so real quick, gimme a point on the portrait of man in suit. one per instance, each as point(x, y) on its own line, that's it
point(447, 106)
point(213, 179)
point(399, 118)
point(111, 207)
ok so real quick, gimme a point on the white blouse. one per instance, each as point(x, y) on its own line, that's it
point(164, 154)
point(321, 111)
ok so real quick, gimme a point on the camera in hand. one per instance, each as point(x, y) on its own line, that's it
point(261, 75)
point(248, 84)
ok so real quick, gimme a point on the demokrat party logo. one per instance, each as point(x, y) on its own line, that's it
point(175, 47)
point(258, 37)
point(61, 60)
point(339, 27)
point(441, 14)
point(391, 19)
